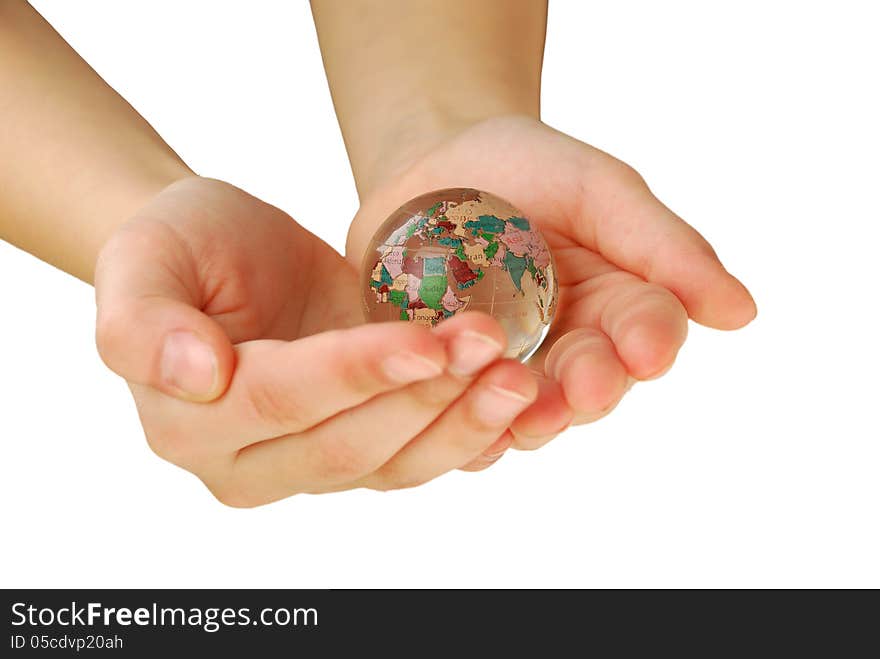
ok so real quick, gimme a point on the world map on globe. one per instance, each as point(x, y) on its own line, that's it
point(460, 249)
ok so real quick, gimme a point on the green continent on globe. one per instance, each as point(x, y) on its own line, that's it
point(399, 298)
point(428, 266)
point(432, 289)
point(515, 266)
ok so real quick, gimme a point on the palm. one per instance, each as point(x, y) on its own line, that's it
point(625, 263)
point(244, 263)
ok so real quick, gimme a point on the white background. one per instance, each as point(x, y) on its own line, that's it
point(755, 462)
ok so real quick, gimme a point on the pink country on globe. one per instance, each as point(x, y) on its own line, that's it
point(462, 249)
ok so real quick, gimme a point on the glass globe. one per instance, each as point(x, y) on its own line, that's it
point(462, 249)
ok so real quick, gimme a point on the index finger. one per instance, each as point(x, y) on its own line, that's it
point(281, 387)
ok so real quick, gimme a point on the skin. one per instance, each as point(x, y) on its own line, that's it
point(77, 159)
point(308, 397)
point(630, 271)
point(264, 392)
point(460, 107)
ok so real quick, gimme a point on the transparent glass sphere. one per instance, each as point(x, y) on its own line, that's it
point(462, 249)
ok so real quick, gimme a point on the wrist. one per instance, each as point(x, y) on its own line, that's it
point(79, 160)
point(405, 76)
point(100, 211)
point(103, 211)
point(407, 137)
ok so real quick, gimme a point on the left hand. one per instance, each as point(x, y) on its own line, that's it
point(240, 335)
point(630, 271)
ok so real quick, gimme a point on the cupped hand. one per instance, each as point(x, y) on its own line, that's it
point(630, 271)
point(238, 333)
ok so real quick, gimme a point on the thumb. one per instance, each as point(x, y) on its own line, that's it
point(150, 328)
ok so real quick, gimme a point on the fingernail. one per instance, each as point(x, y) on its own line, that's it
point(188, 364)
point(406, 367)
point(496, 406)
point(471, 352)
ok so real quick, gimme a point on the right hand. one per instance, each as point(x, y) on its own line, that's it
point(238, 333)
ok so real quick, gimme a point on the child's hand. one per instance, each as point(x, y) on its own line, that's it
point(630, 271)
point(235, 328)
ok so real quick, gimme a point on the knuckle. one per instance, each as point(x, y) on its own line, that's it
point(339, 461)
point(436, 393)
point(658, 296)
point(361, 376)
point(278, 406)
point(659, 292)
